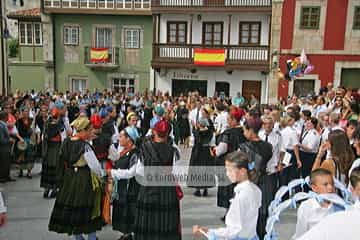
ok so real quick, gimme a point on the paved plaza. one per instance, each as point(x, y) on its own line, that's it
point(28, 212)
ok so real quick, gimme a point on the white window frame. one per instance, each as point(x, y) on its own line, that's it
point(33, 33)
point(68, 38)
point(125, 85)
point(84, 81)
point(133, 42)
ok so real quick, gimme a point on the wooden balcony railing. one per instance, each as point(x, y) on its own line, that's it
point(98, 4)
point(211, 3)
point(113, 61)
point(164, 54)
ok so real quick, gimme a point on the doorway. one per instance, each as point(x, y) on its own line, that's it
point(184, 86)
point(222, 88)
point(251, 87)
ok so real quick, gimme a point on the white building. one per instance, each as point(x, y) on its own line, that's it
point(240, 27)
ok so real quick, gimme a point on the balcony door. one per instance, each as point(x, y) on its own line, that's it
point(103, 39)
point(212, 33)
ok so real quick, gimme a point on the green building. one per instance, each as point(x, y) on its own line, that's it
point(86, 44)
point(26, 64)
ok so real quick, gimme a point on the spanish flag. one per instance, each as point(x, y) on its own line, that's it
point(209, 57)
point(98, 55)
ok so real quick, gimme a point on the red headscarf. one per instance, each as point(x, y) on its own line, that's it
point(95, 120)
point(237, 113)
point(162, 128)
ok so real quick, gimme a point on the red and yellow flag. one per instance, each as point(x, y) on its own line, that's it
point(209, 57)
point(98, 55)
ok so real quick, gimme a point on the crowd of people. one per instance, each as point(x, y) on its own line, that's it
point(95, 146)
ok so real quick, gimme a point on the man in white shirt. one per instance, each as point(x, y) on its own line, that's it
point(311, 211)
point(3, 216)
point(221, 123)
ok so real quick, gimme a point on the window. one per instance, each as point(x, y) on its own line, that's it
point(212, 33)
point(30, 34)
point(103, 38)
point(71, 35)
point(310, 17)
point(356, 24)
point(250, 33)
point(132, 38)
point(124, 84)
point(78, 85)
point(176, 32)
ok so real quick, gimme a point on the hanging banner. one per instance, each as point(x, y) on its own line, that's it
point(99, 55)
point(209, 57)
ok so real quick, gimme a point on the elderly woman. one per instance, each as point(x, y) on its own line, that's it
point(77, 206)
point(126, 188)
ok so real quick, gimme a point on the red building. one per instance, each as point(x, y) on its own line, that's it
point(329, 32)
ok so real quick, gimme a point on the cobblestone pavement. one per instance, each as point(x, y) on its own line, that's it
point(28, 212)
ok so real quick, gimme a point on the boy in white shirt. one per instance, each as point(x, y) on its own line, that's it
point(311, 211)
point(241, 219)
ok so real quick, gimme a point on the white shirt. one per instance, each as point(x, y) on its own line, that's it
point(192, 116)
point(275, 139)
point(319, 109)
point(290, 138)
point(309, 214)
point(221, 123)
point(242, 216)
point(311, 139)
point(2, 205)
point(340, 225)
point(298, 125)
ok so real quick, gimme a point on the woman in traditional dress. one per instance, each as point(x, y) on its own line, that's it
point(78, 203)
point(158, 207)
point(25, 155)
point(183, 122)
point(201, 159)
point(126, 188)
point(228, 142)
point(50, 151)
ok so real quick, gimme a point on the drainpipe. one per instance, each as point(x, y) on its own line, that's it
point(54, 51)
point(3, 80)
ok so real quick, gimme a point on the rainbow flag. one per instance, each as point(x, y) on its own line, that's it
point(98, 55)
point(209, 57)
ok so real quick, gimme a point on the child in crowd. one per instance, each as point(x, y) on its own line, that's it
point(355, 186)
point(311, 211)
point(242, 216)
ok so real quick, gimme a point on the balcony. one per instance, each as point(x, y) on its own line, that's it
point(110, 64)
point(111, 7)
point(236, 57)
point(211, 5)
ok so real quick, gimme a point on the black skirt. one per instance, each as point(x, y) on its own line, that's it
point(124, 209)
point(72, 212)
point(158, 214)
point(201, 172)
point(48, 171)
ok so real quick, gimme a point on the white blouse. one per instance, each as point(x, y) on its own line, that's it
point(242, 216)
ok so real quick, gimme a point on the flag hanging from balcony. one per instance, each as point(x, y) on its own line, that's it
point(209, 57)
point(98, 55)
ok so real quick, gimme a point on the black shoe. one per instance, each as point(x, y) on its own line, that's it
point(127, 236)
point(46, 193)
point(223, 218)
point(20, 173)
point(197, 193)
point(205, 193)
point(52, 194)
point(9, 179)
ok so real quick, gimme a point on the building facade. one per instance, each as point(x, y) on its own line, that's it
point(234, 32)
point(80, 28)
point(27, 67)
point(329, 32)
